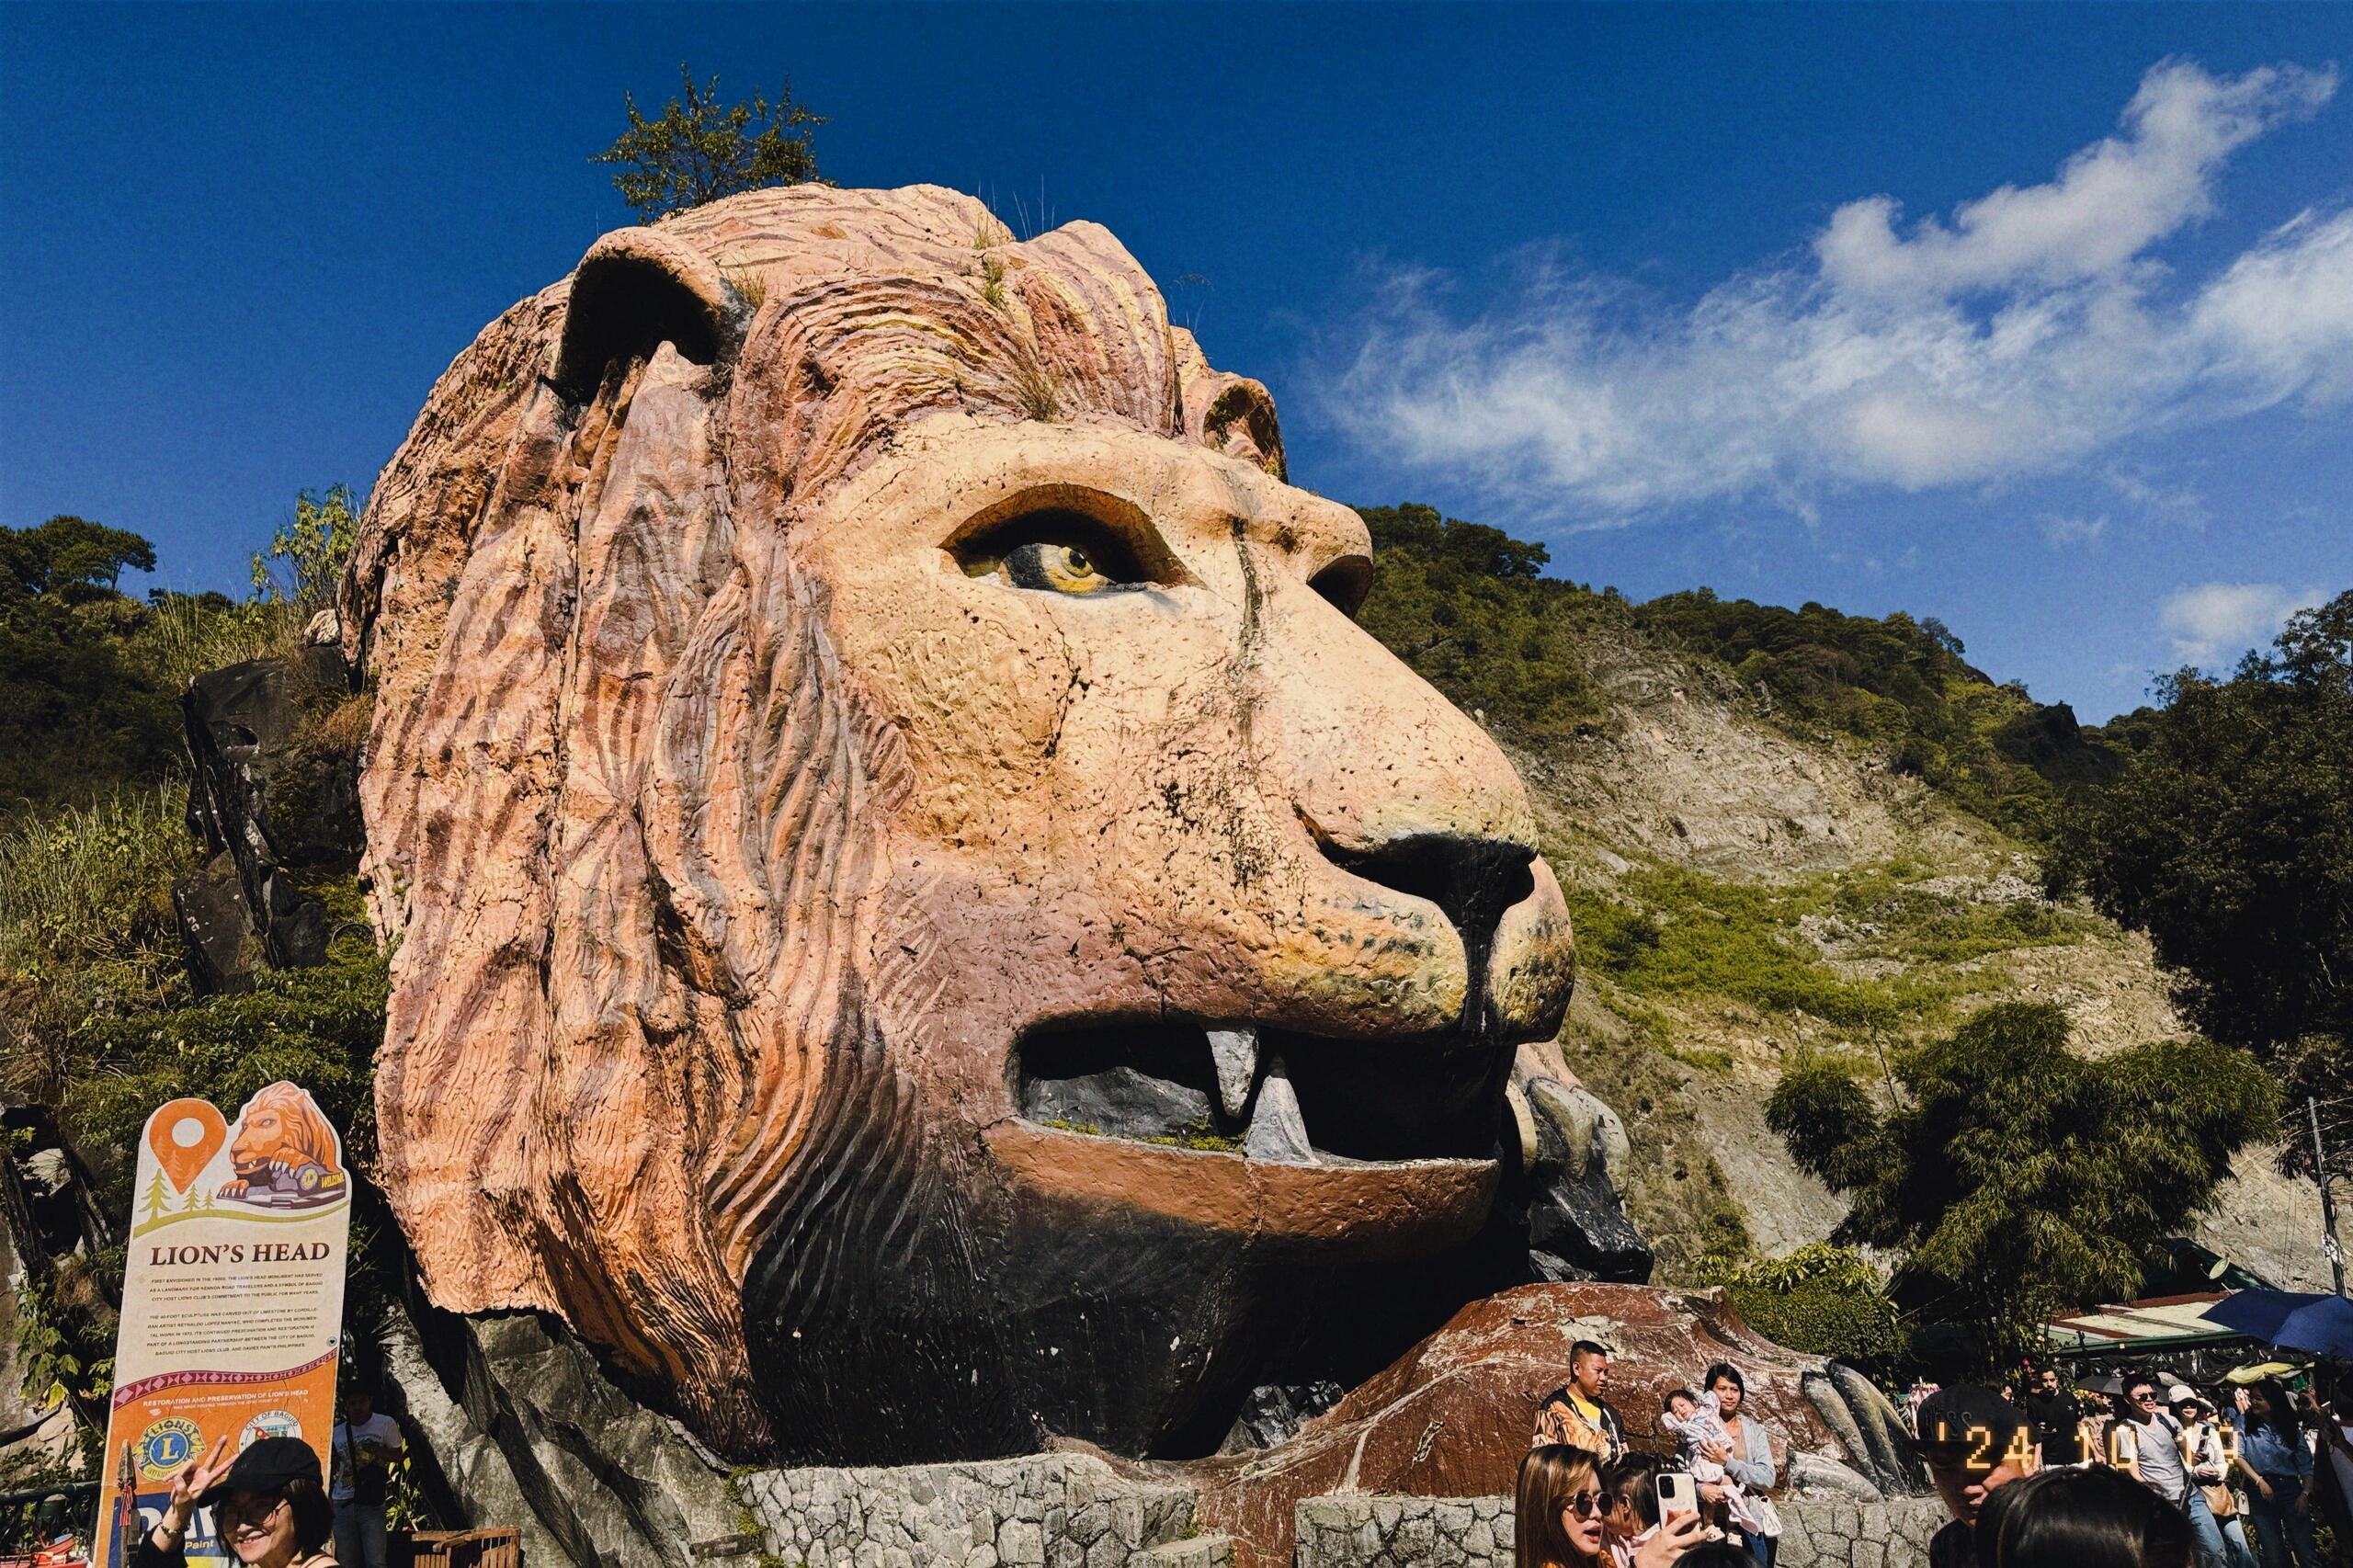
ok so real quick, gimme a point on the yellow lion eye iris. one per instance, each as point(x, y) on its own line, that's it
point(1057, 568)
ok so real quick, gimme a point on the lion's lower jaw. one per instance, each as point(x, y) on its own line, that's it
point(932, 1327)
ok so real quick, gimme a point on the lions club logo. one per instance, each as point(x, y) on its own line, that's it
point(165, 1447)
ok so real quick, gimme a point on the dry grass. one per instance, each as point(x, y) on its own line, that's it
point(184, 636)
point(751, 284)
point(1034, 390)
point(986, 236)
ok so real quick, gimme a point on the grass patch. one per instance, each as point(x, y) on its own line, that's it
point(1693, 935)
point(318, 1027)
point(186, 635)
point(750, 285)
point(986, 236)
point(1196, 1135)
point(1666, 933)
point(90, 886)
point(1035, 392)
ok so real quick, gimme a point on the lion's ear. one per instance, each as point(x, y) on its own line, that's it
point(635, 291)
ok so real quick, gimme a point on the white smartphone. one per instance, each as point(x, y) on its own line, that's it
point(1676, 1495)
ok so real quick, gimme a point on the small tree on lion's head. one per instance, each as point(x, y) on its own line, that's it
point(904, 883)
point(701, 149)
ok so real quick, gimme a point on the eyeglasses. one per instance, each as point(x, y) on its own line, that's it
point(2147, 1396)
point(254, 1511)
point(1584, 1504)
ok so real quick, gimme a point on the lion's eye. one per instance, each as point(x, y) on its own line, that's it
point(1063, 568)
point(1055, 551)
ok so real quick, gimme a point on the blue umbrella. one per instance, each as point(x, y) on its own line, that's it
point(2324, 1328)
point(2259, 1313)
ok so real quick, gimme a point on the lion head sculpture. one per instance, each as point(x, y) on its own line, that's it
point(921, 921)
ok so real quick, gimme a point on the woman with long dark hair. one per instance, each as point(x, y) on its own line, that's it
point(2081, 1519)
point(2278, 1466)
point(1560, 1512)
point(1748, 1459)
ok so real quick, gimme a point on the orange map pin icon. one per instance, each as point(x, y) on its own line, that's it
point(186, 1134)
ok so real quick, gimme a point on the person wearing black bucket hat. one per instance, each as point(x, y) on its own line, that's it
point(268, 1508)
point(1972, 1442)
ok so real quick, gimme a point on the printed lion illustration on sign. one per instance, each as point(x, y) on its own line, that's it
point(921, 921)
point(285, 1153)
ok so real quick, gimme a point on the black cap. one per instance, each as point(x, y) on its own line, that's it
point(266, 1464)
point(1949, 1417)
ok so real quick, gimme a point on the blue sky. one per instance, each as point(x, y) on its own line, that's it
point(2038, 320)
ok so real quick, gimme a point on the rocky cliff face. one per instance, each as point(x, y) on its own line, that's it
point(1684, 804)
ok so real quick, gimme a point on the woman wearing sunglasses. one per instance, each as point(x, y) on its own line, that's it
point(268, 1508)
point(1560, 1517)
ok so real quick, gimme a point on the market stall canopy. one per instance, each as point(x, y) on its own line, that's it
point(2156, 1323)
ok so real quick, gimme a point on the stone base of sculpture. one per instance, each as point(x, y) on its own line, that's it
point(522, 1427)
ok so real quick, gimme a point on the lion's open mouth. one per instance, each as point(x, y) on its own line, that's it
point(1265, 1093)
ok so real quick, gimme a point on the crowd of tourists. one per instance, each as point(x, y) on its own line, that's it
point(2250, 1467)
point(2195, 1467)
point(2160, 1475)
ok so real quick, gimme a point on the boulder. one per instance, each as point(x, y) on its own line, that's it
point(215, 929)
point(1274, 1412)
point(272, 805)
point(519, 1426)
point(1576, 1215)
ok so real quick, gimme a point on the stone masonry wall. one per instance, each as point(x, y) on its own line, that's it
point(1833, 1530)
point(1476, 1532)
point(1355, 1531)
point(1040, 1511)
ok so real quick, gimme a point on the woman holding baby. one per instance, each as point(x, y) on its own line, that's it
point(1747, 1455)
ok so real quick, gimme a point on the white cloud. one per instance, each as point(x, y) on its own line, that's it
point(2226, 617)
point(2282, 314)
point(2029, 333)
point(2112, 200)
point(2063, 532)
point(2173, 506)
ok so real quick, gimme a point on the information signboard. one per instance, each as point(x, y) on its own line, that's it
point(232, 1301)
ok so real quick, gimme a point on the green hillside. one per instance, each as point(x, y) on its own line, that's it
point(1463, 604)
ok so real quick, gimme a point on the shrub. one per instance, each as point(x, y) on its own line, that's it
point(1824, 1301)
point(1463, 605)
point(2014, 1176)
point(318, 1028)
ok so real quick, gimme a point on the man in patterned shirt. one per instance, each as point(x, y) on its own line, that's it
point(1576, 1414)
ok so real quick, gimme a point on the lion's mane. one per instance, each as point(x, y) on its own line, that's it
point(624, 808)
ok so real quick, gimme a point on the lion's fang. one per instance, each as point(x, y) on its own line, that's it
point(1235, 1051)
point(1277, 1130)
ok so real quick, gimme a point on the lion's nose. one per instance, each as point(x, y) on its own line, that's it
point(1473, 881)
